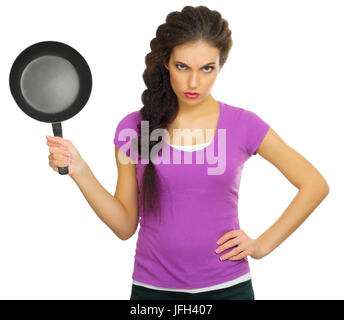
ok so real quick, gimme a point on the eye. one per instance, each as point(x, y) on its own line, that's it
point(211, 68)
point(180, 65)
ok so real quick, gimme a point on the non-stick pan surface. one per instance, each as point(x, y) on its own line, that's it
point(51, 82)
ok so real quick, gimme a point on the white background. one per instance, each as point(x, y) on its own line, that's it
point(286, 65)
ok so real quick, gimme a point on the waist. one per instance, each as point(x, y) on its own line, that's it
point(183, 259)
point(226, 284)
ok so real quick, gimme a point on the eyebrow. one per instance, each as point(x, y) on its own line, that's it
point(188, 66)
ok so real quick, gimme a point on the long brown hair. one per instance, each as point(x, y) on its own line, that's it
point(160, 105)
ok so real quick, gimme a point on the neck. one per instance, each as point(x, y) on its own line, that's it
point(191, 110)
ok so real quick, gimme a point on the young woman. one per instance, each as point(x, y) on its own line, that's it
point(186, 193)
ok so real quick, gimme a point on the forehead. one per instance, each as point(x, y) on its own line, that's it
point(195, 53)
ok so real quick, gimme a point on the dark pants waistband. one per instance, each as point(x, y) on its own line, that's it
point(240, 291)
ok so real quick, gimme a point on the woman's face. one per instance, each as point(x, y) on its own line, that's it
point(193, 67)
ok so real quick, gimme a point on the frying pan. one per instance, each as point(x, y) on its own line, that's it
point(51, 82)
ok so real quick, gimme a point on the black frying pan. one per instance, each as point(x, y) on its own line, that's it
point(51, 82)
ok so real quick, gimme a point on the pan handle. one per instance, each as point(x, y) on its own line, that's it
point(57, 129)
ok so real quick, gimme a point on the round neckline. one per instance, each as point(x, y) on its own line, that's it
point(213, 141)
point(192, 145)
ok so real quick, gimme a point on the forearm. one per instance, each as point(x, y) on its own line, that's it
point(106, 206)
point(303, 204)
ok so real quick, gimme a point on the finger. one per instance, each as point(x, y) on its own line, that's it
point(56, 145)
point(53, 164)
point(61, 163)
point(53, 143)
point(56, 150)
point(227, 245)
point(61, 157)
point(232, 253)
point(240, 256)
point(228, 235)
point(58, 140)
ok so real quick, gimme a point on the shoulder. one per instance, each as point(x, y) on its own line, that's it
point(237, 114)
point(134, 116)
point(249, 128)
point(130, 121)
point(127, 127)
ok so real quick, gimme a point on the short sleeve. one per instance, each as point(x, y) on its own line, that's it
point(126, 132)
point(255, 130)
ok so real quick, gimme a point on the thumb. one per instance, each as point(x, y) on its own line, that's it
point(57, 139)
point(66, 145)
point(62, 143)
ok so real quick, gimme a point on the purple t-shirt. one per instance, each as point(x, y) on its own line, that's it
point(199, 203)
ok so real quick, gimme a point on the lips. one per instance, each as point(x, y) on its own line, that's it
point(191, 94)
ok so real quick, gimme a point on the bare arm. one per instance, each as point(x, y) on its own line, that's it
point(312, 186)
point(119, 212)
point(109, 209)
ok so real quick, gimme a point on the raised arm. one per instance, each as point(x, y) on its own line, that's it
point(118, 212)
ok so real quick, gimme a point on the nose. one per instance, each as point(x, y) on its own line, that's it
point(193, 81)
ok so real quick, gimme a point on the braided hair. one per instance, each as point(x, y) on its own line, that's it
point(160, 104)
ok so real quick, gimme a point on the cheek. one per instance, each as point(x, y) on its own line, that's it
point(173, 77)
point(209, 82)
point(175, 81)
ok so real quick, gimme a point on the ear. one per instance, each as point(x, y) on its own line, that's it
point(166, 64)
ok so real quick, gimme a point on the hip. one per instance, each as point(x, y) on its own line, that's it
point(241, 291)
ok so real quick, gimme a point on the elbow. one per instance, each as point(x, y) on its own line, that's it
point(121, 236)
point(320, 186)
point(127, 236)
point(325, 187)
point(126, 233)
point(327, 190)
point(130, 233)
